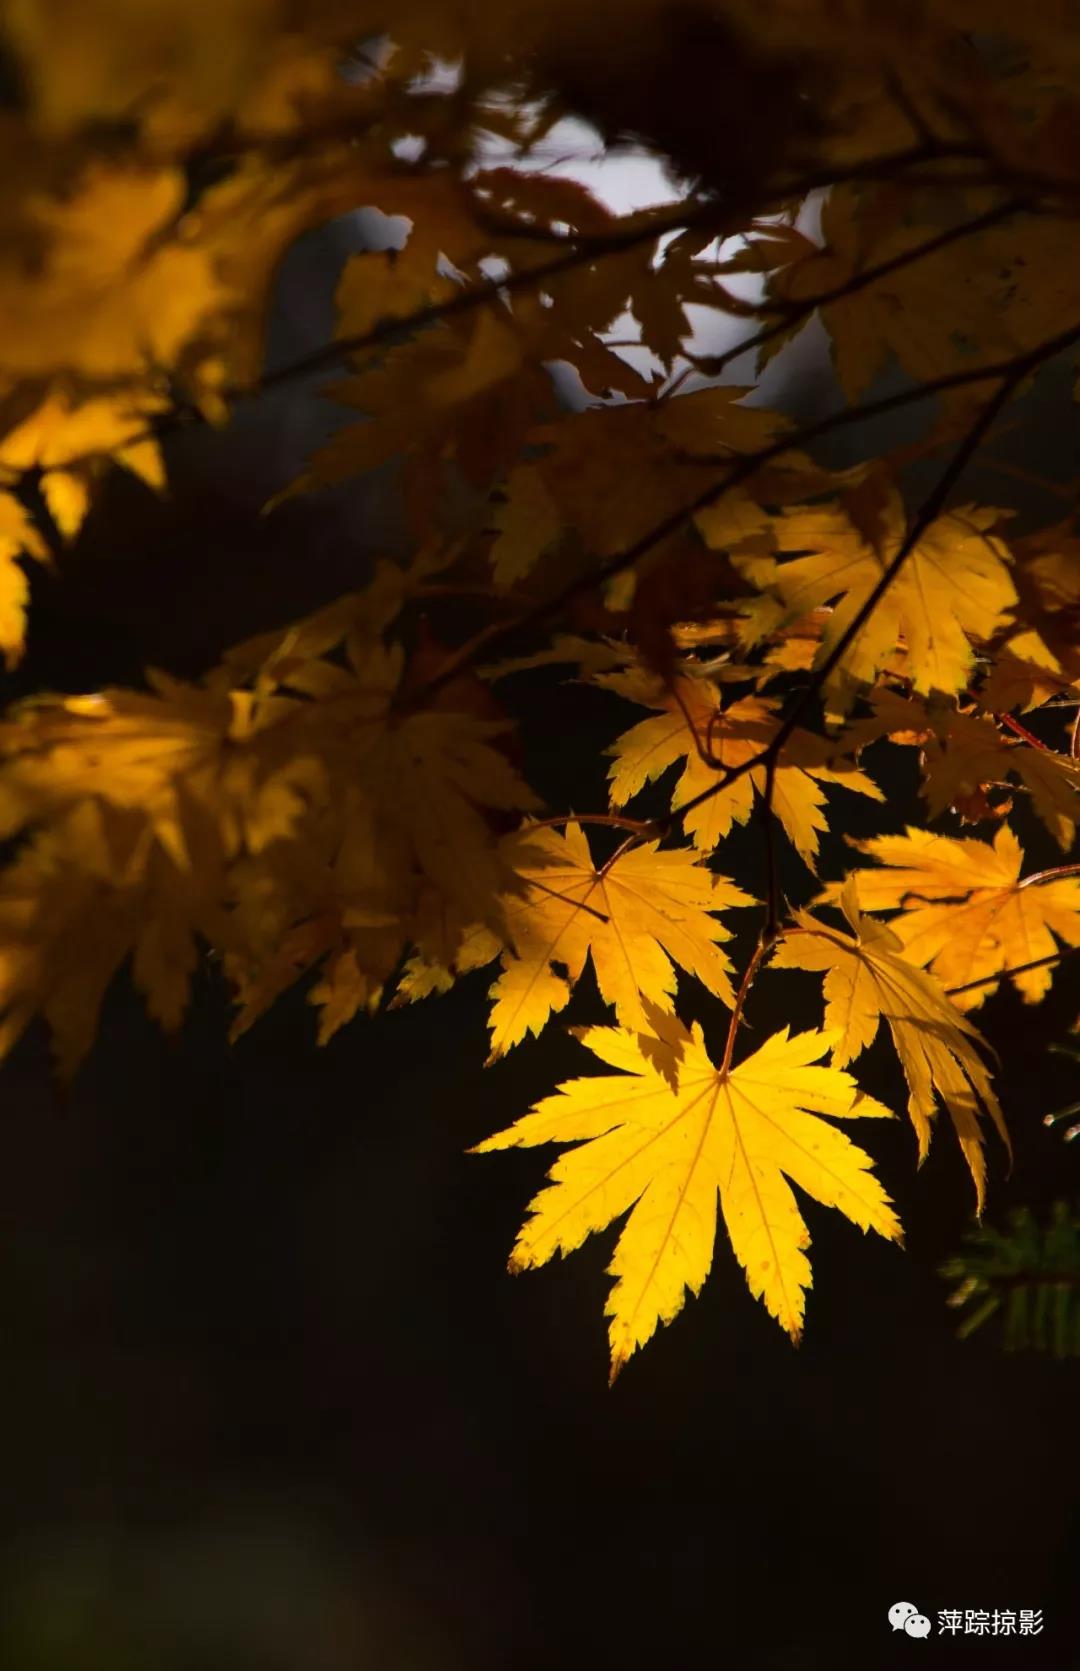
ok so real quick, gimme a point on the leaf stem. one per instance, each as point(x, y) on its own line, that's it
point(1013, 724)
point(1010, 372)
point(761, 950)
point(1051, 875)
point(772, 875)
point(640, 826)
point(793, 313)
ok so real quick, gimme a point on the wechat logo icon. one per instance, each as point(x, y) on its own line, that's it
point(903, 1616)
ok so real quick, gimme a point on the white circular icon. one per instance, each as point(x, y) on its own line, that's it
point(904, 1616)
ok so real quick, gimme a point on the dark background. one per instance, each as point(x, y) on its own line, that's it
point(270, 1401)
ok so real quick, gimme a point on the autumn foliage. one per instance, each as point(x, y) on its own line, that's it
point(347, 795)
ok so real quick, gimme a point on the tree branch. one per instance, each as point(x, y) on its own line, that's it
point(707, 215)
point(1054, 874)
point(1011, 372)
point(640, 826)
point(1017, 969)
point(772, 875)
point(710, 365)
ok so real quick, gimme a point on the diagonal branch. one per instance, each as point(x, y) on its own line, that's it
point(578, 250)
point(772, 874)
point(1011, 372)
point(929, 510)
point(710, 365)
point(1017, 969)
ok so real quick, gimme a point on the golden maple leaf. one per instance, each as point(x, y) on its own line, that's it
point(461, 394)
point(176, 756)
point(431, 777)
point(902, 313)
point(964, 754)
point(633, 915)
point(867, 978)
point(62, 428)
point(691, 713)
point(611, 473)
point(117, 292)
point(80, 897)
point(970, 752)
point(665, 1145)
point(18, 538)
point(113, 58)
point(953, 586)
point(1041, 653)
point(527, 524)
point(964, 912)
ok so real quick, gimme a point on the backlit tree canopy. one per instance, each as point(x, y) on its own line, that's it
point(349, 794)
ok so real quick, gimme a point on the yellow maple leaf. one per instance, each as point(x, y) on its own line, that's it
point(258, 982)
point(591, 656)
point(275, 658)
point(527, 524)
point(634, 915)
point(612, 472)
point(1041, 653)
point(449, 394)
point(63, 428)
point(63, 934)
point(18, 538)
point(692, 709)
point(431, 775)
point(80, 897)
point(970, 752)
point(867, 977)
point(666, 1152)
point(104, 61)
point(117, 292)
point(901, 313)
point(964, 912)
point(953, 586)
point(966, 753)
point(345, 988)
point(215, 770)
point(378, 285)
point(175, 756)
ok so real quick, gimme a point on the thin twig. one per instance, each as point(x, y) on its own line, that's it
point(772, 876)
point(582, 249)
point(578, 904)
point(624, 847)
point(1017, 969)
point(1013, 724)
point(1011, 372)
point(1002, 467)
point(704, 749)
point(930, 510)
point(466, 589)
point(639, 826)
point(710, 365)
point(1054, 874)
point(908, 108)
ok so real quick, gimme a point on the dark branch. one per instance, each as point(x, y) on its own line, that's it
point(1011, 372)
point(710, 365)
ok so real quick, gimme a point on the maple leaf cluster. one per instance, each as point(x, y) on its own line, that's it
point(348, 795)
